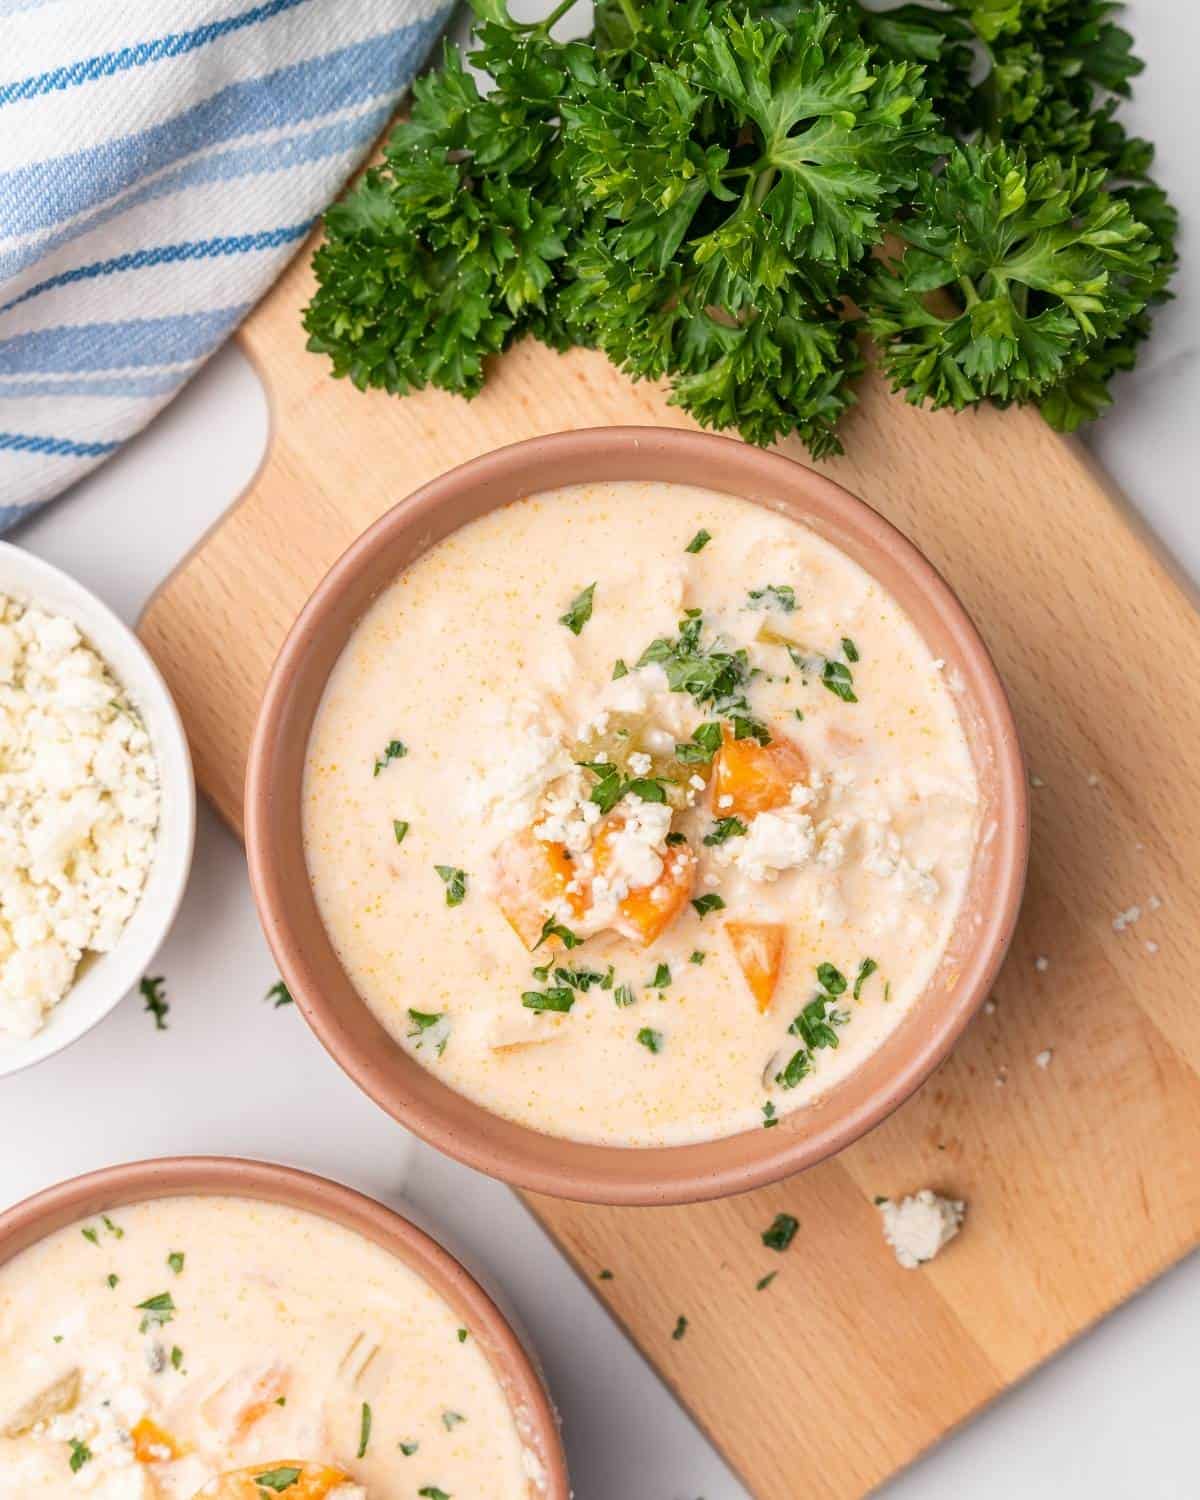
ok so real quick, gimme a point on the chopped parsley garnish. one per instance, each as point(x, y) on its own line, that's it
point(564, 935)
point(681, 1325)
point(662, 977)
point(364, 1430)
point(150, 987)
point(451, 1419)
point(279, 1479)
point(745, 727)
point(112, 1279)
point(155, 1311)
point(175, 1261)
point(584, 979)
point(780, 596)
point(425, 1021)
point(408, 1449)
point(710, 901)
point(556, 997)
point(580, 611)
point(831, 979)
point(623, 995)
point(176, 1356)
point(455, 882)
point(114, 1229)
point(605, 1275)
point(698, 956)
point(799, 712)
point(709, 673)
point(399, 829)
point(703, 745)
point(431, 1492)
point(461, 1335)
point(769, 1115)
point(764, 1282)
point(90, 1235)
point(838, 678)
point(650, 1039)
point(619, 669)
point(393, 750)
point(610, 786)
point(798, 1068)
point(723, 829)
point(816, 1022)
point(279, 994)
point(672, 839)
point(865, 970)
point(699, 541)
point(80, 1454)
point(849, 649)
point(781, 1233)
point(551, 928)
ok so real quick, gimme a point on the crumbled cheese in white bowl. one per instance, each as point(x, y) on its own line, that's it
point(97, 810)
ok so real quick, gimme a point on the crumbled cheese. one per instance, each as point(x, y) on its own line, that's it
point(1045, 1057)
point(885, 857)
point(636, 847)
point(79, 804)
point(1041, 963)
point(919, 1226)
point(640, 763)
point(508, 790)
point(1151, 948)
point(773, 842)
point(1035, 780)
point(989, 1008)
point(569, 816)
point(1126, 918)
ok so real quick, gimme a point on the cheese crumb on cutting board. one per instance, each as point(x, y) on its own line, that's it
point(919, 1226)
point(79, 803)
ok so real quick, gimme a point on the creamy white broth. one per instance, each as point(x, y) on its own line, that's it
point(275, 1310)
point(464, 661)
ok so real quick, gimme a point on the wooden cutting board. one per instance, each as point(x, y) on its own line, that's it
point(1083, 1177)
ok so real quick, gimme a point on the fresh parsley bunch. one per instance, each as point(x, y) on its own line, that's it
point(705, 190)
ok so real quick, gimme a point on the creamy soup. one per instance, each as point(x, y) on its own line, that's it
point(638, 813)
point(147, 1354)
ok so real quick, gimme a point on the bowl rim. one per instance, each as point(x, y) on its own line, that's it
point(34, 1218)
point(128, 960)
point(512, 471)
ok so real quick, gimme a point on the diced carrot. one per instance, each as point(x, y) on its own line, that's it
point(532, 876)
point(753, 777)
point(758, 948)
point(153, 1444)
point(312, 1481)
point(244, 1399)
point(648, 911)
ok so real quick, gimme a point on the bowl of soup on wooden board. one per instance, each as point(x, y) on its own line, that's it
point(636, 815)
point(212, 1329)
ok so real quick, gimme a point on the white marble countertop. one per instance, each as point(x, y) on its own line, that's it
point(1111, 1418)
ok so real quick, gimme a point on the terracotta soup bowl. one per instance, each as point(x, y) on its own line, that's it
point(412, 1093)
point(113, 1188)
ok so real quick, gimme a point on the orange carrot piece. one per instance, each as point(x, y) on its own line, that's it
point(647, 912)
point(313, 1482)
point(758, 948)
point(753, 777)
point(532, 876)
point(244, 1399)
point(153, 1444)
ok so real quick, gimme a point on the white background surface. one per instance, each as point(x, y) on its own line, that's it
point(1111, 1419)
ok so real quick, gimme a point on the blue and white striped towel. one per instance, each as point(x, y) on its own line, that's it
point(160, 160)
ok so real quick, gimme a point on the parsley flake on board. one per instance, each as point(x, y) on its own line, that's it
point(455, 882)
point(710, 901)
point(150, 987)
point(681, 1327)
point(781, 1232)
point(80, 1454)
point(579, 611)
point(279, 994)
point(393, 750)
point(279, 1479)
point(699, 541)
point(155, 1311)
point(604, 1275)
point(364, 1430)
point(765, 1281)
point(650, 1039)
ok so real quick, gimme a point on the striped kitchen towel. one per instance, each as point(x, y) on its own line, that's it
point(160, 160)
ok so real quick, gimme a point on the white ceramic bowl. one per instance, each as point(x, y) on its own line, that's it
point(106, 978)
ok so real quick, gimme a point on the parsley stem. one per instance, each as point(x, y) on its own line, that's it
point(555, 15)
point(631, 12)
point(967, 286)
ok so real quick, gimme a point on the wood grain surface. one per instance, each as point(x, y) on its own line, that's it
point(1083, 1178)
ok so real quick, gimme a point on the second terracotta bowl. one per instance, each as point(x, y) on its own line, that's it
point(114, 1188)
point(415, 1096)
